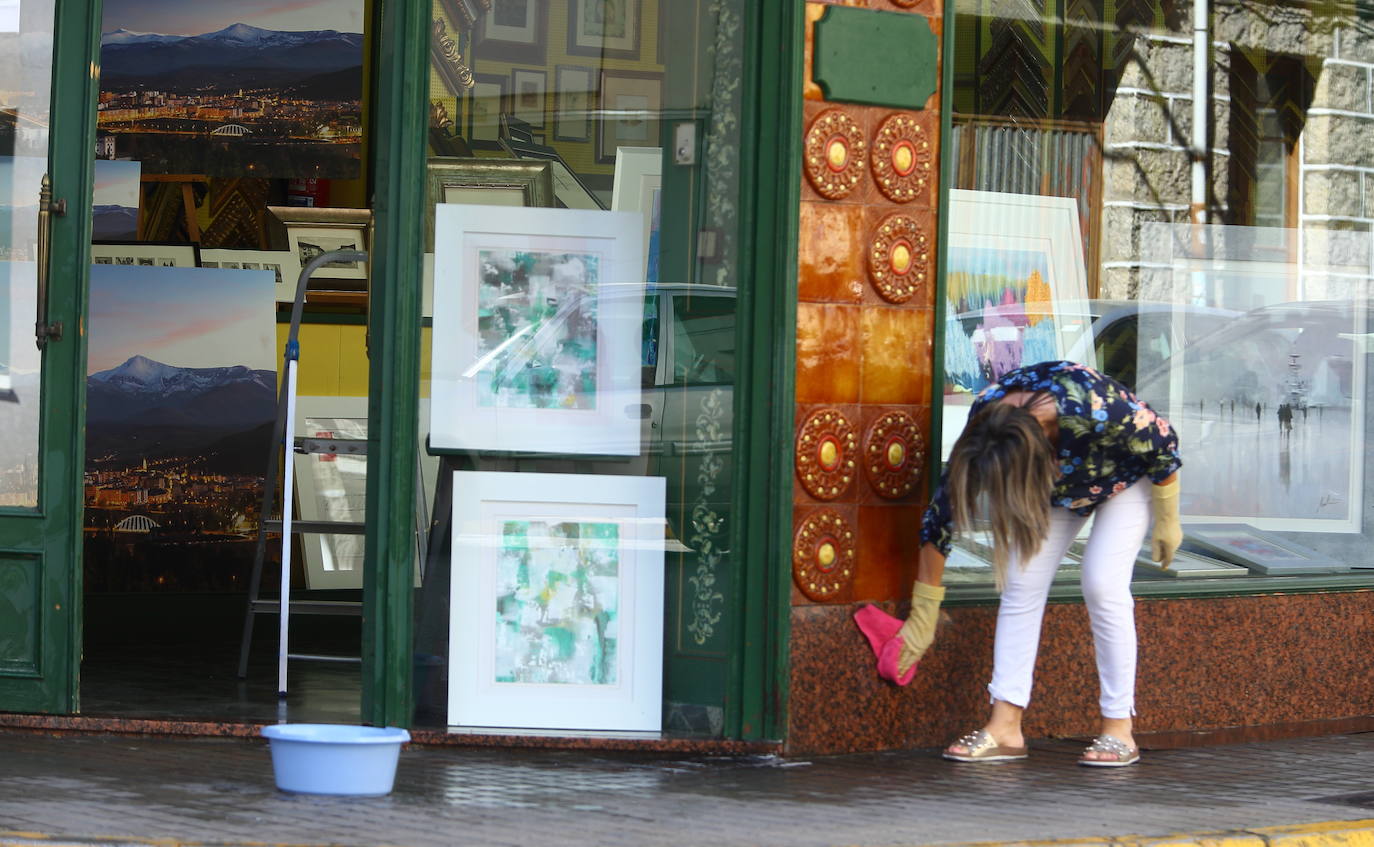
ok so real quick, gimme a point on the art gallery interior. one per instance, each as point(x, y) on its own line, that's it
point(646, 330)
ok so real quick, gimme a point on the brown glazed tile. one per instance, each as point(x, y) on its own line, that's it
point(895, 344)
point(853, 413)
point(850, 513)
point(1205, 664)
point(868, 496)
point(827, 353)
point(832, 253)
point(929, 122)
point(874, 214)
point(889, 536)
point(810, 90)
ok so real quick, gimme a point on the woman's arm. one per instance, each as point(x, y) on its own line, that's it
point(930, 566)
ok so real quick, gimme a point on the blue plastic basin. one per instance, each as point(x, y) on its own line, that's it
point(317, 758)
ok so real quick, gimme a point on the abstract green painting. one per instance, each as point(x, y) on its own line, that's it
point(537, 329)
point(557, 602)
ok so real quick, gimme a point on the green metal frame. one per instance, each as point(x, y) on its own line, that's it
point(398, 172)
point(770, 157)
point(937, 366)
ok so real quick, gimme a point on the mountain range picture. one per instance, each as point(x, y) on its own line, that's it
point(181, 396)
point(116, 201)
point(237, 88)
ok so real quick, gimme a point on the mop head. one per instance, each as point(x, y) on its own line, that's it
point(881, 630)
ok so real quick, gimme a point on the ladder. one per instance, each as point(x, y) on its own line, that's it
point(280, 465)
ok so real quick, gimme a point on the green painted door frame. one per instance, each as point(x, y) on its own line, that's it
point(770, 158)
point(41, 548)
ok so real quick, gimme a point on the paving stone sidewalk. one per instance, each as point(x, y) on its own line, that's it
point(75, 789)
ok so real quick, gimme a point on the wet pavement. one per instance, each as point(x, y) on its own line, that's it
point(87, 787)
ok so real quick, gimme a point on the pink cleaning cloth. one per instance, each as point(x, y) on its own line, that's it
point(881, 630)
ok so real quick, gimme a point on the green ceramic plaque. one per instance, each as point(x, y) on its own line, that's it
point(876, 58)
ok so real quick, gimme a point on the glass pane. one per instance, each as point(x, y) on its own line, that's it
point(584, 271)
point(1229, 289)
point(25, 80)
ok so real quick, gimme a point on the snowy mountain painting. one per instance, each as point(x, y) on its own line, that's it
point(180, 402)
point(116, 200)
point(235, 88)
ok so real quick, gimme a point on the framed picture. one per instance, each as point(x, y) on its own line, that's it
point(311, 231)
point(574, 94)
point(1260, 551)
point(605, 28)
point(284, 265)
point(148, 254)
point(486, 103)
point(333, 487)
point(630, 108)
point(556, 607)
point(537, 326)
point(116, 200)
point(512, 31)
point(1015, 286)
point(1186, 565)
point(1271, 405)
point(638, 188)
point(529, 94)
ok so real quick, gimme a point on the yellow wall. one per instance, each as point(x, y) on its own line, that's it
point(333, 360)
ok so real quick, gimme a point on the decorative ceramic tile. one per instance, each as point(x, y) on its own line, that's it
point(834, 153)
point(901, 258)
point(894, 455)
point(889, 538)
point(897, 353)
point(902, 158)
point(826, 454)
point(823, 555)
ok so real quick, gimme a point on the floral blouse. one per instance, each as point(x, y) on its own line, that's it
point(1108, 439)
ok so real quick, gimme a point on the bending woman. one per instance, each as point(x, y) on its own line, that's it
point(1046, 446)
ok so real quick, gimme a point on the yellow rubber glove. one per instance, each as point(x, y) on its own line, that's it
point(1168, 532)
point(918, 631)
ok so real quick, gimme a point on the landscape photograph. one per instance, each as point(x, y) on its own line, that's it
point(180, 402)
point(239, 88)
point(115, 210)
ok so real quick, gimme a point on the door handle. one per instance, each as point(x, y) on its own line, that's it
point(47, 208)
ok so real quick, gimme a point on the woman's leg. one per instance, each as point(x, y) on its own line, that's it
point(1119, 527)
point(1018, 629)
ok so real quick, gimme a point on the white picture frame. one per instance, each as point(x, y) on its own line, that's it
point(638, 187)
point(334, 487)
point(999, 235)
point(283, 263)
point(507, 529)
point(146, 254)
point(506, 374)
point(1260, 551)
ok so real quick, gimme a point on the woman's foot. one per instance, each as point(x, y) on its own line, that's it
point(1118, 730)
point(1003, 731)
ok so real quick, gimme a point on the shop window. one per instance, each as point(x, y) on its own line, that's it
point(580, 401)
point(1227, 287)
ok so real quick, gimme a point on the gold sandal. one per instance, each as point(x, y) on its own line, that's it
point(1118, 754)
point(982, 748)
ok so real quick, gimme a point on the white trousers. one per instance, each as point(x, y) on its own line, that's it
point(1119, 527)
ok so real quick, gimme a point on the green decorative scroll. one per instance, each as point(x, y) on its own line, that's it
point(875, 58)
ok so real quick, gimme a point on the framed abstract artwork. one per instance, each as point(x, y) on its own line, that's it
point(556, 605)
point(1260, 551)
point(1015, 282)
point(638, 187)
point(537, 327)
point(631, 104)
point(606, 28)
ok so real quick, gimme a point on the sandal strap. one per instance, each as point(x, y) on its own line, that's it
point(1112, 745)
point(976, 742)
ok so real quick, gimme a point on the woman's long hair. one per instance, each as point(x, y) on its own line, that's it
point(1003, 461)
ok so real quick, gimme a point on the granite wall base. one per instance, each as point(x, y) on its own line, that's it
point(1204, 664)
